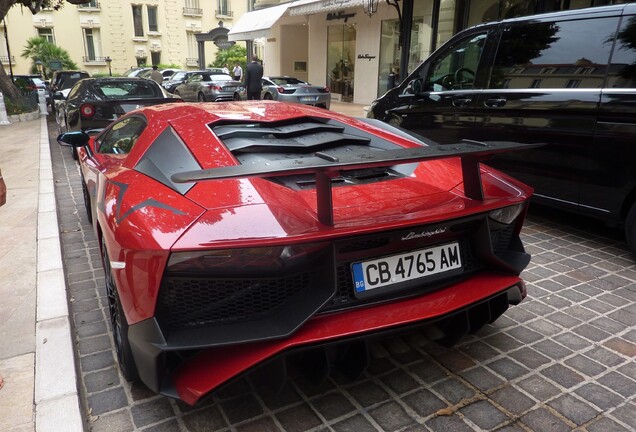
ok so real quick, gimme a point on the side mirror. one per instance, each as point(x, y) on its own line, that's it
point(414, 86)
point(58, 96)
point(73, 139)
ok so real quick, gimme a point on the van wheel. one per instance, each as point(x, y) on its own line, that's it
point(630, 229)
point(118, 323)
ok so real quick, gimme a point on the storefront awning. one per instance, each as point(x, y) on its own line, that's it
point(306, 7)
point(256, 24)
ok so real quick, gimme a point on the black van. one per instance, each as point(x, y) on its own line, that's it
point(567, 79)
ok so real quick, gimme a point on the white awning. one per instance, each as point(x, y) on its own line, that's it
point(256, 24)
point(306, 7)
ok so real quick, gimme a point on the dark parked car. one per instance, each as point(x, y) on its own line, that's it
point(62, 81)
point(290, 89)
point(238, 235)
point(179, 77)
point(567, 79)
point(93, 103)
point(30, 83)
point(209, 87)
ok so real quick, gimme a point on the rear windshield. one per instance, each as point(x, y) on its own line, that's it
point(127, 89)
point(287, 81)
point(68, 80)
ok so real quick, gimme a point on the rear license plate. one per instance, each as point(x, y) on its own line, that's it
point(229, 88)
point(308, 98)
point(369, 275)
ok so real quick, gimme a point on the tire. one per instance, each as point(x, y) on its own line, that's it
point(74, 153)
point(630, 229)
point(87, 202)
point(118, 323)
point(268, 96)
point(201, 97)
point(237, 97)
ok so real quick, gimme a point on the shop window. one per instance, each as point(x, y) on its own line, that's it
point(341, 51)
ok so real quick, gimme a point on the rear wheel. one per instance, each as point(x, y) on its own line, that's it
point(630, 229)
point(87, 201)
point(118, 323)
point(237, 97)
point(201, 97)
point(268, 96)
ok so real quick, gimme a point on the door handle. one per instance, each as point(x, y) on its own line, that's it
point(461, 102)
point(495, 102)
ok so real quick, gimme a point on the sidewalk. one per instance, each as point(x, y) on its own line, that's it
point(37, 362)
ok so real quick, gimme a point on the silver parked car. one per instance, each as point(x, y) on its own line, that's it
point(209, 87)
point(289, 89)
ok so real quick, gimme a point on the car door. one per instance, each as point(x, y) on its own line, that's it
point(545, 87)
point(612, 161)
point(439, 98)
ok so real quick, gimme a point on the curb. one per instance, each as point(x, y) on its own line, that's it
point(56, 397)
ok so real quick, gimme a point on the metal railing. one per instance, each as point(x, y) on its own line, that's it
point(87, 59)
point(91, 5)
point(192, 11)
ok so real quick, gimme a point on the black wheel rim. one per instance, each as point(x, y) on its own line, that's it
point(111, 294)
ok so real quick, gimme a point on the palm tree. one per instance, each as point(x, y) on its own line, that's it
point(40, 49)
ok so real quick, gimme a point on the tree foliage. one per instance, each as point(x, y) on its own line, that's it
point(40, 49)
point(235, 53)
point(6, 85)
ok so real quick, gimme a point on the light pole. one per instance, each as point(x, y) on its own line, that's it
point(108, 61)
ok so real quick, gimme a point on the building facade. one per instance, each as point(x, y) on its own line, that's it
point(358, 48)
point(129, 33)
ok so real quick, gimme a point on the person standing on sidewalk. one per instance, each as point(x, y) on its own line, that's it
point(253, 77)
point(3, 190)
point(237, 72)
point(155, 75)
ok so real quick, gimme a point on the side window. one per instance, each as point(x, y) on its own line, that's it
point(622, 70)
point(122, 136)
point(74, 91)
point(565, 54)
point(456, 68)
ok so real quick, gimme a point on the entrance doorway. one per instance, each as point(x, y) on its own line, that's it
point(341, 49)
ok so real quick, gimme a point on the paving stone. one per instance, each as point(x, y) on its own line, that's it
point(529, 357)
point(512, 400)
point(427, 371)
point(484, 414)
point(107, 401)
point(117, 421)
point(262, 424)
point(453, 390)
point(585, 365)
point(152, 411)
point(399, 381)
point(599, 396)
point(241, 408)
point(170, 425)
point(572, 408)
point(101, 380)
point(391, 416)
point(356, 423)
point(619, 383)
point(297, 418)
point(604, 356)
point(508, 368)
point(482, 379)
point(287, 395)
point(424, 402)
point(368, 393)
point(606, 425)
point(94, 344)
point(626, 413)
point(539, 387)
point(332, 405)
point(563, 375)
point(101, 360)
point(552, 349)
point(206, 419)
point(448, 424)
point(543, 420)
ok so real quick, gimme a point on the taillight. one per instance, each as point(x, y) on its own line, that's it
point(327, 90)
point(280, 90)
point(87, 110)
point(215, 87)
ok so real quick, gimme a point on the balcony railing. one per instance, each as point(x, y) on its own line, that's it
point(192, 11)
point(91, 5)
point(87, 59)
point(224, 12)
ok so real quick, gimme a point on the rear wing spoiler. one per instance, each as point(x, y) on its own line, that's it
point(325, 167)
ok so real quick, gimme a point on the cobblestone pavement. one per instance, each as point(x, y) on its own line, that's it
point(560, 361)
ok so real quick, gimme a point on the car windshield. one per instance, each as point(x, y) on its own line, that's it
point(287, 81)
point(127, 89)
point(178, 76)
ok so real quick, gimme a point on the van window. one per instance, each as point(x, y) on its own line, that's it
point(622, 71)
point(565, 54)
point(456, 68)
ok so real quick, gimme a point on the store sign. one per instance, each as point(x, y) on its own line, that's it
point(222, 43)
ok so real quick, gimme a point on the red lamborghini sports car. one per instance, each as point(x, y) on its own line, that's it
point(240, 236)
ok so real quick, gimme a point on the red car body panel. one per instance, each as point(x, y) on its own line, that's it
point(196, 378)
point(143, 220)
